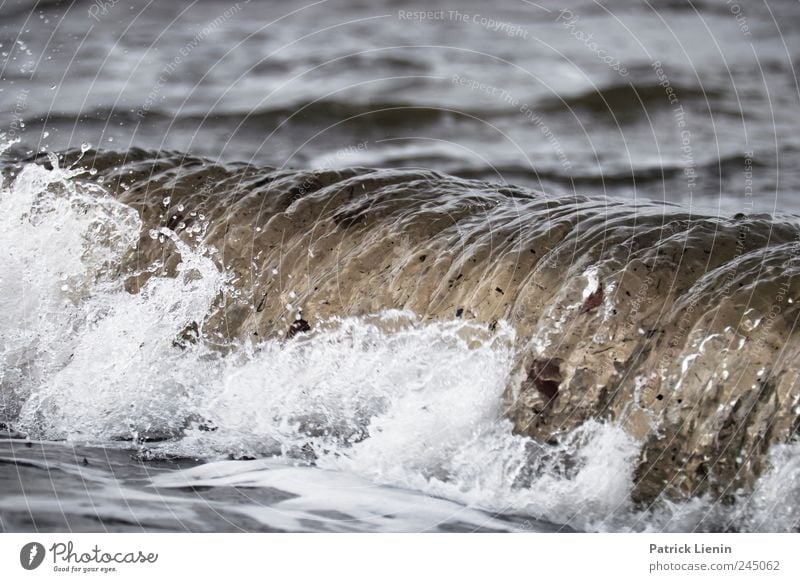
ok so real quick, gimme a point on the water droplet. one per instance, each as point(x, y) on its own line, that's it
point(166, 200)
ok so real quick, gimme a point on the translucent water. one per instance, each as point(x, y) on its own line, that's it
point(344, 417)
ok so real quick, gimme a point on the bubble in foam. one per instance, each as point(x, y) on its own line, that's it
point(76, 347)
point(388, 398)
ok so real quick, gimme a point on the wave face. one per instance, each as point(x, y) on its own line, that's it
point(588, 362)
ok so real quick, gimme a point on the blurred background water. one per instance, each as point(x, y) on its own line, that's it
point(689, 102)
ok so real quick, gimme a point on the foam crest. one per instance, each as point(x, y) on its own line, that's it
point(399, 398)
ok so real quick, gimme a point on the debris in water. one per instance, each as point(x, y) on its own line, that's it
point(594, 299)
point(299, 326)
point(546, 376)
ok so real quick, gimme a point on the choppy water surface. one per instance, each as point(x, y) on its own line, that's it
point(544, 284)
point(572, 101)
point(430, 366)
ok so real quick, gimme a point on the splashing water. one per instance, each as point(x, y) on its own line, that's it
point(390, 398)
point(81, 355)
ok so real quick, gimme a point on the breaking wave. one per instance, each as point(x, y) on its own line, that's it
point(586, 362)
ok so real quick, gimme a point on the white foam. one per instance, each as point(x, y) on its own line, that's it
point(330, 500)
point(387, 400)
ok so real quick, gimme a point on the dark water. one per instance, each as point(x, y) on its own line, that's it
point(521, 92)
point(58, 487)
point(545, 257)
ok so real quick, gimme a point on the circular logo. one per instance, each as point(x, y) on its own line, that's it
point(31, 555)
